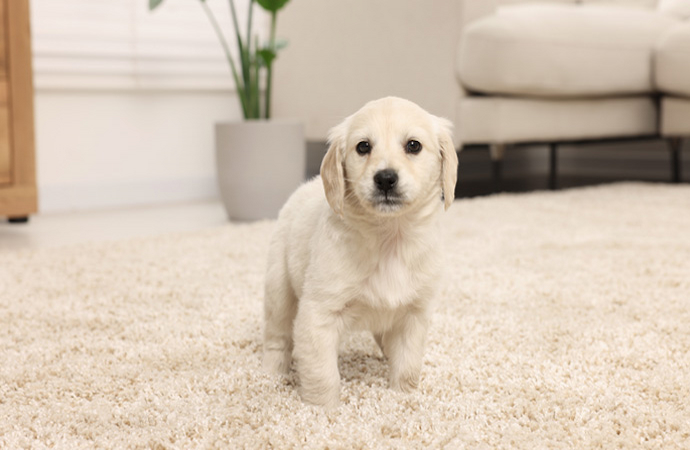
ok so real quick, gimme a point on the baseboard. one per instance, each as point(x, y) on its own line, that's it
point(84, 196)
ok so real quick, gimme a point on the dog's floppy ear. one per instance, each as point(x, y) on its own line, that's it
point(449, 160)
point(332, 171)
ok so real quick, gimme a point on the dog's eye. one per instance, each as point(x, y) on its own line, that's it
point(363, 148)
point(413, 146)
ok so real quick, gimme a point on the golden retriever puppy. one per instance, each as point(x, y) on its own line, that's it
point(358, 248)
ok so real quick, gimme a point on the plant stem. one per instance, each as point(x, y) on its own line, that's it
point(269, 67)
point(244, 61)
point(228, 55)
point(253, 61)
point(256, 79)
point(249, 24)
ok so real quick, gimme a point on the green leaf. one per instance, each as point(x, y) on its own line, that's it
point(272, 5)
point(267, 56)
point(153, 4)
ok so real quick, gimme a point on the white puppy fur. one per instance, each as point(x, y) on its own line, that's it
point(359, 248)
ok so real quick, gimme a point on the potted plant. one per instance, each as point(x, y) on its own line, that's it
point(259, 160)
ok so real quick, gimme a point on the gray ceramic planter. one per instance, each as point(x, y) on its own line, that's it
point(259, 163)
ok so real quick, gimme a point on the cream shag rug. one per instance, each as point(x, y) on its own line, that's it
point(565, 324)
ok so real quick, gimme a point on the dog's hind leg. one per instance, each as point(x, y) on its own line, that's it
point(378, 337)
point(280, 308)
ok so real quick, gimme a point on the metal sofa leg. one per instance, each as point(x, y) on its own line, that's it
point(675, 145)
point(553, 166)
point(496, 151)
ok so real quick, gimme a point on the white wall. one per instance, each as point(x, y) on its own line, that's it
point(108, 149)
point(126, 100)
point(98, 149)
point(342, 54)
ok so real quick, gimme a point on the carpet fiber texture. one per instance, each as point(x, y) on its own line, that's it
point(565, 323)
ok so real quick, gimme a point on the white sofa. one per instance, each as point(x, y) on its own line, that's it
point(568, 71)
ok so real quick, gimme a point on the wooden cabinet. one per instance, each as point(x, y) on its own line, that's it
point(4, 108)
point(18, 197)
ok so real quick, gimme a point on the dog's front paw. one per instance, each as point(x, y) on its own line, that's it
point(329, 398)
point(277, 362)
point(405, 383)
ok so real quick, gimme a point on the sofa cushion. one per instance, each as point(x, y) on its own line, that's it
point(672, 61)
point(472, 10)
point(561, 51)
point(679, 8)
point(625, 3)
point(675, 117)
point(483, 119)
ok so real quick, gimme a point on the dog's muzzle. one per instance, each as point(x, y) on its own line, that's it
point(386, 193)
point(386, 181)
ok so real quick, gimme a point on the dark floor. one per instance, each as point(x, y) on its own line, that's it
point(526, 168)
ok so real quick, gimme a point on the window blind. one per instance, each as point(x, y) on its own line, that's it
point(120, 44)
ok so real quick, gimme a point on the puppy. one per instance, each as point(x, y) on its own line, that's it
point(359, 248)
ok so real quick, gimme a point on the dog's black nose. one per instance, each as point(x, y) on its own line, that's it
point(386, 179)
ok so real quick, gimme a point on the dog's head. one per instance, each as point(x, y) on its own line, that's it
point(388, 157)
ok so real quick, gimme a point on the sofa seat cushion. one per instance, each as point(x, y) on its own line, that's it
point(561, 51)
point(675, 116)
point(672, 61)
point(484, 119)
point(623, 3)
